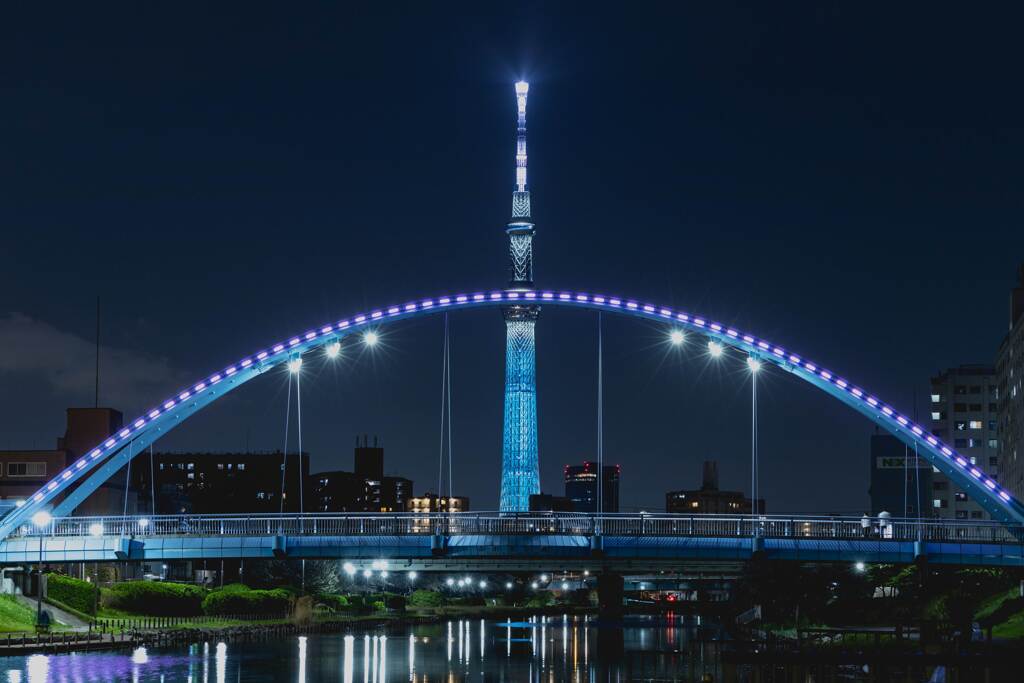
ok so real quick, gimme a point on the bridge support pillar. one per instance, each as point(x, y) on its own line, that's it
point(438, 544)
point(610, 594)
point(280, 547)
point(756, 544)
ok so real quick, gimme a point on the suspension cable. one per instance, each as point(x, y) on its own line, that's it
point(298, 405)
point(444, 381)
point(284, 456)
point(448, 364)
point(600, 420)
point(128, 477)
point(152, 481)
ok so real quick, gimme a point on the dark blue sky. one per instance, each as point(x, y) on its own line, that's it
point(844, 180)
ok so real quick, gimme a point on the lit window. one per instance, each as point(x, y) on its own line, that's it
point(937, 503)
point(993, 443)
point(976, 424)
point(936, 415)
point(241, 465)
point(936, 398)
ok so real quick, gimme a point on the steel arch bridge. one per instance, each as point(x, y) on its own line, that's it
point(73, 485)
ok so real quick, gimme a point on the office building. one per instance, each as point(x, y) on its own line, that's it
point(1010, 390)
point(709, 499)
point(581, 487)
point(964, 413)
point(899, 479)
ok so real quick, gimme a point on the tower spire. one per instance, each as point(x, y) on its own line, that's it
point(520, 228)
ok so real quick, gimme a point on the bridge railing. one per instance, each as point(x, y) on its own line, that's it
point(495, 523)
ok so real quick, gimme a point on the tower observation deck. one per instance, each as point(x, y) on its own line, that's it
point(520, 473)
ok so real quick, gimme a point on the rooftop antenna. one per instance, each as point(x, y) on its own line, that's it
point(97, 396)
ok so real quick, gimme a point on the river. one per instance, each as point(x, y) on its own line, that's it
point(540, 648)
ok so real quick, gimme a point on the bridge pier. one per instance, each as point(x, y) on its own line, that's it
point(610, 592)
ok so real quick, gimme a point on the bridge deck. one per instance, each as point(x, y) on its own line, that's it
point(527, 541)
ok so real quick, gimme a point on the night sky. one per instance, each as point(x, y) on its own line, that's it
point(843, 180)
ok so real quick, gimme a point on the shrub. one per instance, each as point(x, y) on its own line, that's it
point(74, 593)
point(425, 598)
point(265, 602)
point(157, 598)
point(333, 601)
point(378, 606)
point(542, 600)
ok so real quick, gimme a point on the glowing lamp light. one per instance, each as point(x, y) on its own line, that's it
point(96, 529)
point(42, 518)
point(143, 523)
point(371, 338)
point(412, 576)
point(333, 350)
point(508, 585)
point(367, 573)
point(544, 578)
point(565, 585)
point(349, 568)
point(449, 581)
point(522, 87)
point(715, 349)
point(676, 337)
point(483, 584)
point(294, 365)
point(859, 566)
point(753, 363)
point(533, 585)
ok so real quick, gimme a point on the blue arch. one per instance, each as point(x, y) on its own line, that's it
point(100, 463)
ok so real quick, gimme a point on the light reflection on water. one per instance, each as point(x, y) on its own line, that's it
point(539, 648)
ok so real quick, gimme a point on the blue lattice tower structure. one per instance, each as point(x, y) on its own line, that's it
point(520, 471)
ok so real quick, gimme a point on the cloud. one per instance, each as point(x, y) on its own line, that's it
point(66, 363)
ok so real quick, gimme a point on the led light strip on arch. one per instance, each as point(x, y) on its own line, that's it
point(263, 359)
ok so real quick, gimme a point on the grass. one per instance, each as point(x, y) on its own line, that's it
point(14, 616)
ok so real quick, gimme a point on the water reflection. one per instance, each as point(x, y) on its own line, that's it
point(539, 648)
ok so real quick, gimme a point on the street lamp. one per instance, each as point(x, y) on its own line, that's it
point(676, 337)
point(41, 519)
point(754, 365)
point(715, 349)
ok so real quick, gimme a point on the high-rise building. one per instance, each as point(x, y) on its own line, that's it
point(964, 412)
point(581, 487)
point(366, 489)
point(709, 499)
point(1010, 383)
point(369, 460)
point(899, 479)
point(520, 469)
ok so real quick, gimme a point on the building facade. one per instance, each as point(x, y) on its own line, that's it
point(964, 412)
point(1010, 383)
point(709, 499)
point(545, 502)
point(581, 487)
point(899, 479)
point(366, 489)
point(24, 471)
point(221, 482)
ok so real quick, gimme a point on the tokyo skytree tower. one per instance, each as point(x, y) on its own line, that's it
point(520, 473)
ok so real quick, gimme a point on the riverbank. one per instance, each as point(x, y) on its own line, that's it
point(141, 631)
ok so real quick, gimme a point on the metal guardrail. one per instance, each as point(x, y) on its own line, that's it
point(501, 524)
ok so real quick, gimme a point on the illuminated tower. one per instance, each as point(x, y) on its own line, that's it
point(520, 473)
